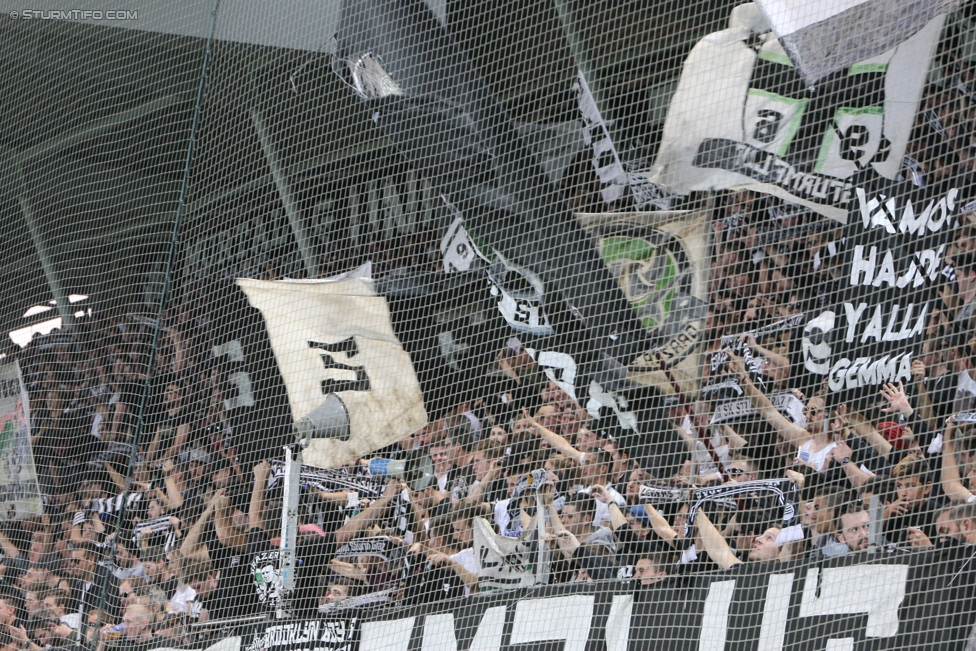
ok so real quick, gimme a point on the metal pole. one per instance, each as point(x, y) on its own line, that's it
point(876, 523)
point(287, 200)
point(289, 524)
point(542, 560)
point(57, 290)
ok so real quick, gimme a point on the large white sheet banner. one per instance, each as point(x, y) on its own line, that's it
point(824, 36)
point(334, 336)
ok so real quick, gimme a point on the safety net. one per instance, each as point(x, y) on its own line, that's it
point(488, 325)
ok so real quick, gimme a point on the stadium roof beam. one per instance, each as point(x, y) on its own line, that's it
point(287, 199)
point(17, 159)
point(97, 128)
point(50, 273)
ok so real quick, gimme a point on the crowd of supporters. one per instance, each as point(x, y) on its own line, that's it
point(138, 545)
point(195, 537)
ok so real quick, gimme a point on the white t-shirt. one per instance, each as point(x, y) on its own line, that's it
point(182, 599)
point(467, 559)
point(816, 459)
point(73, 620)
point(602, 513)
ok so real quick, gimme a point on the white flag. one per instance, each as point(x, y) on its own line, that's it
point(824, 36)
point(505, 563)
point(742, 116)
point(335, 336)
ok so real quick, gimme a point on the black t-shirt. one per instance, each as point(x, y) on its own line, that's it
point(168, 425)
point(896, 527)
point(235, 595)
point(631, 548)
point(942, 391)
point(313, 555)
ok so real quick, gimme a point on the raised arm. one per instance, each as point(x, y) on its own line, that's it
point(660, 525)
point(439, 559)
point(478, 492)
point(368, 515)
point(617, 518)
point(182, 434)
point(565, 540)
point(779, 365)
point(713, 542)
point(557, 442)
point(192, 546)
point(951, 483)
point(924, 399)
point(790, 433)
point(114, 475)
point(172, 497)
point(153, 446)
point(255, 517)
point(867, 432)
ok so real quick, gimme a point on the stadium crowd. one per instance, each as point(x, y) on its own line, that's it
point(194, 537)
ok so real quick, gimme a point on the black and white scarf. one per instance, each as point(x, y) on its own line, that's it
point(156, 526)
point(375, 546)
point(114, 504)
point(782, 490)
point(327, 480)
point(753, 364)
point(655, 494)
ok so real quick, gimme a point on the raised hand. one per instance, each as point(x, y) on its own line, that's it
point(917, 538)
point(393, 488)
point(600, 494)
point(735, 363)
point(897, 400)
point(918, 370)
point(262, 470)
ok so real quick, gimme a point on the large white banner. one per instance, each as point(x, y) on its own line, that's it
point(334, 336)
point(20, 496)
point(742, 116)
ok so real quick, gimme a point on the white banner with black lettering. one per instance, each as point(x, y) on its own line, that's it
point(742, 116)
point(505, 563)
point(334, 336)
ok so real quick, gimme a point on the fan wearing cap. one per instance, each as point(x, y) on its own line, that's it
point(637, 532)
